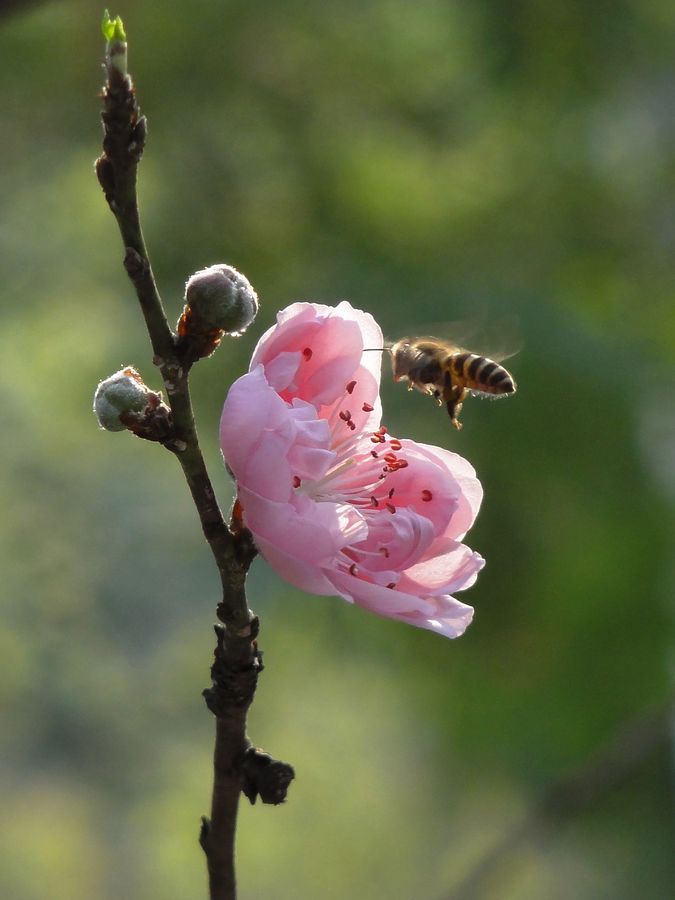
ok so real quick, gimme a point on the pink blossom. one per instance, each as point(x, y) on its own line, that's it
point(336, 505)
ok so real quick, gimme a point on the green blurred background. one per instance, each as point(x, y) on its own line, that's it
point(427, 161)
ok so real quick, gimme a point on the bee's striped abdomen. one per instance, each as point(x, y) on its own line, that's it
point(478, 373)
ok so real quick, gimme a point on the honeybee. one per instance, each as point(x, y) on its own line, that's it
point(448, 373)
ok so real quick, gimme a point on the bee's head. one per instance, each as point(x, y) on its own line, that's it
point(401, 358)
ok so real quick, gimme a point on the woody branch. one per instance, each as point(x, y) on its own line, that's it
point(237, 765)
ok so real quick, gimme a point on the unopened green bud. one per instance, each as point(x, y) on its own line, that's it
point(116, 48)
point(123, 392)
point(220, 297)
point(113, 29)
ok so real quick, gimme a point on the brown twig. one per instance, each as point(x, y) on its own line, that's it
point(237, 658)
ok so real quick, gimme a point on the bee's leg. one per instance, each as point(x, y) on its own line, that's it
point(436, 394)
point(454, 398)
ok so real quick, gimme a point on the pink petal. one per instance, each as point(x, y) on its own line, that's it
point(451, 618)
point(332, 339)
point(310, 532)
point(295, 571)
point(384, 601)
point(281, 370)
point(360, 399)
point(291, 320)
point(267, 468)
point(443, 571)
point(424, 485)
point(394, 541)
point(251, 408)
point(458, 479)
point(443, 614)
point(371, 337)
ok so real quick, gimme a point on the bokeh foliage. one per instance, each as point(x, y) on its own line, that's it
point(429, 161)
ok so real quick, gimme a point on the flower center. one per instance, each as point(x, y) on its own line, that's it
point(363, 463)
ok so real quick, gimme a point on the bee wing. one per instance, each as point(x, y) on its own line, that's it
point(451, 345)
point(455, 334)
point(497, 337)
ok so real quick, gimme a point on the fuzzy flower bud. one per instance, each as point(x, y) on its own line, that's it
point(123, 392)
point(218, 300)
point(222, 298)
point(124, 402)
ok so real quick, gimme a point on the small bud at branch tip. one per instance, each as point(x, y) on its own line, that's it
point(116, 47)
point(113, 29)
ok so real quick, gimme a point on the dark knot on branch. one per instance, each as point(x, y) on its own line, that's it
point(234, 673)
point(265, 777)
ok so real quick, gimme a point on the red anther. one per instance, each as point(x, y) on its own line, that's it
point(350, 387)
point(384, 552)
point(374, 502)
point(395, 444)
point(401, 464)
point(381, 430)
point(390, 507)
point(296, 481)
point(426, 496)
point(307, 353)
point(345, 415)
point(352, 569)
point(390, 458)
point(391, 585)
point(351, 425)
point(366, 406)
point(391, 493)
point(374, 440)
point(373, 453)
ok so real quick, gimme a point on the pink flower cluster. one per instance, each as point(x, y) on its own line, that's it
point(337, 505)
